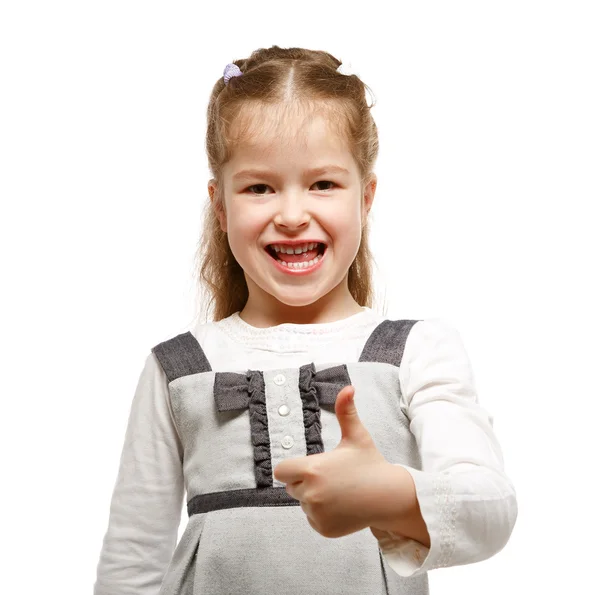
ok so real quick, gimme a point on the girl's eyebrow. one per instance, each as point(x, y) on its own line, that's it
point(317, 171)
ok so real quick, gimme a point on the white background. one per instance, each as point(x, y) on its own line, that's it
point(486, 214)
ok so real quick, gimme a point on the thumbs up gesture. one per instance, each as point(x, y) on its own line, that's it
point(339, 490)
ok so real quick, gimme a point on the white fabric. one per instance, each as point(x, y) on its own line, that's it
point(467, 501)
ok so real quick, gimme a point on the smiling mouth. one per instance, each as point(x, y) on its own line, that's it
point(302, 257)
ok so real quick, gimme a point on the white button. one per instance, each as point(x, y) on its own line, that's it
point(287, 442)
point(279, 379)
point(284, 410)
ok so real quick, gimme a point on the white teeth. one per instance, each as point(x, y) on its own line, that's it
point(296, 250)
point(301, 265)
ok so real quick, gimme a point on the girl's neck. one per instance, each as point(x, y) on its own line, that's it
point(261, 319)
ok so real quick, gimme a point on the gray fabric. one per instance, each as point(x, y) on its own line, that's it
point(180, 575)
point(236, 498)
point(272, 550)
point(325, 384)
point(317, 389)
point(231, 390)
point(259, 429)
point(243, 535)
point(247, 391)
point(181, 356)
point(311, 410)
point(386, 343)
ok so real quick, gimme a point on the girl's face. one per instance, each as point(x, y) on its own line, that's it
point(283, 201)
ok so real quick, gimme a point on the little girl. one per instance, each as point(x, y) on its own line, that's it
point(321, 448)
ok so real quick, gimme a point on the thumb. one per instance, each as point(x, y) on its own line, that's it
point(347, 415)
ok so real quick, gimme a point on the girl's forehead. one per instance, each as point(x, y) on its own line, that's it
point(260, 127)
point(315, 136)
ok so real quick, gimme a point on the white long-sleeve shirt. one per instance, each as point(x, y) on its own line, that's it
point(467, 501)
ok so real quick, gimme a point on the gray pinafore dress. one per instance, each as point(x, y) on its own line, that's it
point(245, 534)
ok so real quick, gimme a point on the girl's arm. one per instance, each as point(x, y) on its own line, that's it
point(146, 505)
point(467, 502)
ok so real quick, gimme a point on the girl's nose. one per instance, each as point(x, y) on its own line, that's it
point(292, 213)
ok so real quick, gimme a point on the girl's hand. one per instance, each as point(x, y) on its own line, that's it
point(339, 490)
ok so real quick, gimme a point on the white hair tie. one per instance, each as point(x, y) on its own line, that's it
point(346, 68)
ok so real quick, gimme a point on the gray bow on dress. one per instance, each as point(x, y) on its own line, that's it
point(247, 391)
point(235, 391)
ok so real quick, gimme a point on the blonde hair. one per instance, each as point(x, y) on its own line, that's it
point(283, 79)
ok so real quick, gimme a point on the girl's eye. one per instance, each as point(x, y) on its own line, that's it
point(265, 186)
point(325, 182)
point(257, 186)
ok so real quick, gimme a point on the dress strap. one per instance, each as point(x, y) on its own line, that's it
point(386, 342)
point(181, 356)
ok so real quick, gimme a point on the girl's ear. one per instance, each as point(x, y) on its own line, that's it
point(369, 196)
point(217, 205)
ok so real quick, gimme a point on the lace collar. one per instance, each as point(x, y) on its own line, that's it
point(291, 336)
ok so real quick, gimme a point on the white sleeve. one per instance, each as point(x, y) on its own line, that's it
point(468, 503)
point(146, 505)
